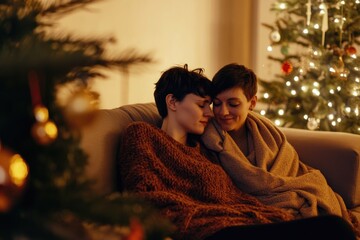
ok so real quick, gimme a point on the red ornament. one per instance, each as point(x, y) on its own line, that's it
point(287, 67)
point(350, 50)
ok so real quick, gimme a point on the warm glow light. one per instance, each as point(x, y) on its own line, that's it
point(331, 116)
point(263, 112)
point(304, 88)
point(331, 91)
point(306, 116)
point(356, 69)
point(282, 6)
point(51, 129)
point(338, 88)
point(312, 64)
point(331, 69)
point(357, 79)
point(339, 119)
point(277, 122)
point(288, 83)
point(333, 123)
point(266, 95)
point(269, 48)
point(355, 93)
point(296, 78)
point(316, 92)
point(353, 56)
point(348, 109)
point(281, 112)
point(357, 1)
point(293, 92)
point(316, 84)
point(41, 113)
point(316, 26)
point(18, 170)
point(330, 104)
point(306, 31)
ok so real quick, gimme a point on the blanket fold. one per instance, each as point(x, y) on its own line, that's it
point(272, 170)
point(195, 193)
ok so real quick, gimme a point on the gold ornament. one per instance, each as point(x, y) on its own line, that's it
point(13, 176)
point(81, 108)
point(44, 133)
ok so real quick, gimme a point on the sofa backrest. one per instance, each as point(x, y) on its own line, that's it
point(102, 137)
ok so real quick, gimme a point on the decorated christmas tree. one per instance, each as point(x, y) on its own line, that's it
point(318, 85)
point(44, 192)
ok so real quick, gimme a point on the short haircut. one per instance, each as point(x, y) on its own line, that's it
point(235, 75)
point(180, 81)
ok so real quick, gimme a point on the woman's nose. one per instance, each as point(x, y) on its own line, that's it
point(223, 110)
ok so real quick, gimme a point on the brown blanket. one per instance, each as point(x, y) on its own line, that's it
point(272, 171)
point(194, 193)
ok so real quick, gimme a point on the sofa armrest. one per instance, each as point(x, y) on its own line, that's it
point(335, 154)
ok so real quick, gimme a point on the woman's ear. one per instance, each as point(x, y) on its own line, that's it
point(253, 101)
point(170, 102)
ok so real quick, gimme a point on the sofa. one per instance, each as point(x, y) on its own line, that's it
point(335, 154)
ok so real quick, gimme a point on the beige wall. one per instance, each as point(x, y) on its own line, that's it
point(201, 33)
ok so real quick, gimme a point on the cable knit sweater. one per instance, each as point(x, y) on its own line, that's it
point(193, 192)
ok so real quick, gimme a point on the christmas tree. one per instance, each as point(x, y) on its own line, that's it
point(44, 192)
point(318, 85)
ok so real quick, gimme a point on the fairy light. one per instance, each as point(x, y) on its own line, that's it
point(288, 83)
point(316, 26)
point(356, 69)
point(282, 6)
point(304, 88)
point(269, 48)
point(342, 2)
point(266, 95)
point(331, 116)
point(263, 112)
point(357, 2)
point(336, 20)
point(357, 79)
point(296, 78)
point(339, 119)
point(316, 84)
point(347, 109)
point(333, 123)
point(356, 111)
point(338, 88)
point(306, 116)
point(316, 92)
point(353, 56)
point(306, 31)
point(293, 92)
point(355, 93)
point(281, 112)
point(277, 122)
point(330, 104)
point(332, 91)
point(312, 64)
point(331, 69)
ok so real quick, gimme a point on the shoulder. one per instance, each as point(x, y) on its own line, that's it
point(140, 127)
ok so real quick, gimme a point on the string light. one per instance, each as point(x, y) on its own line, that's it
point(296, 78)
point(288, 83)
point(266, 95)
point(306, 31)
point(281, 112)
point(306, 116)
point(263, 112)
point(293, 92)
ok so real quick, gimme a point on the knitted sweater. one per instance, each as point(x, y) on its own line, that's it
point(193, 192)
